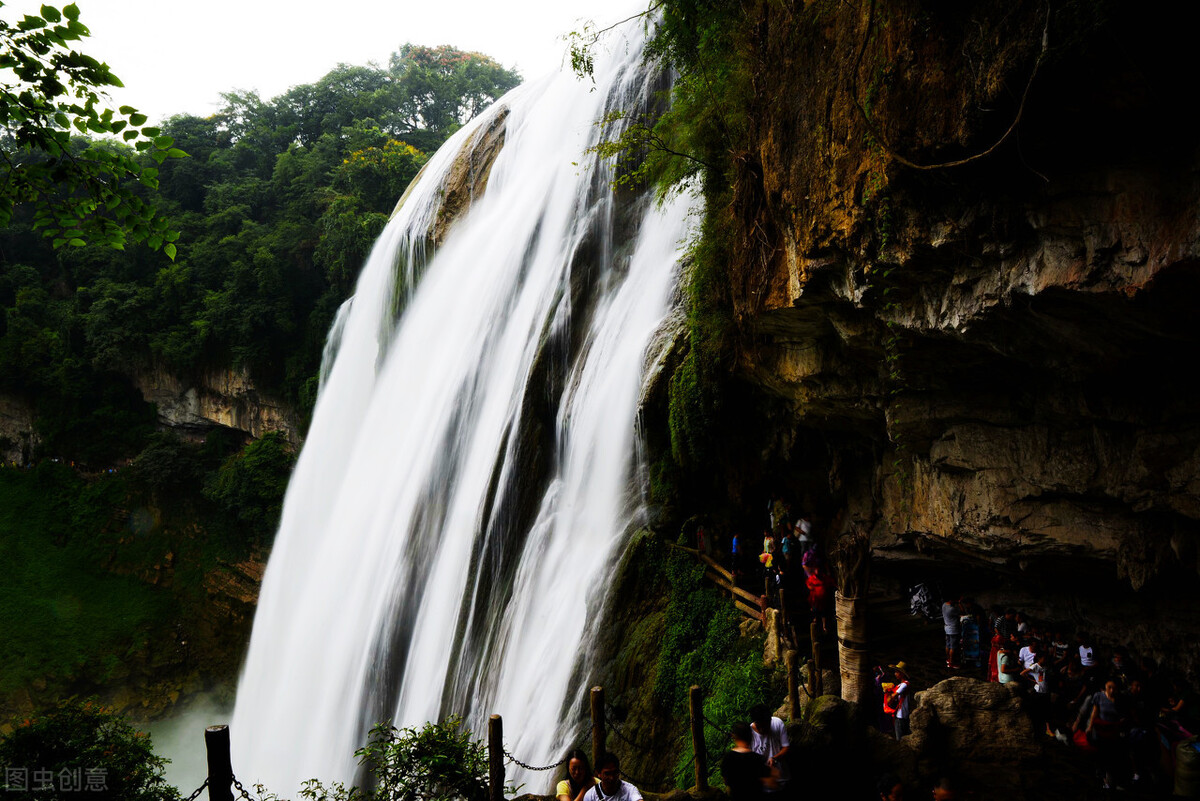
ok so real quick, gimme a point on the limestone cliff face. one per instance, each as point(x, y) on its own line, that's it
point(990, 359)
point(218, 397)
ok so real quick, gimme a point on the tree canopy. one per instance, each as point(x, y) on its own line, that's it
point(278, 206)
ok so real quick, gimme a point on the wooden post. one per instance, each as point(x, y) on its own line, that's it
point(495, 758)
point(815, 680)
point(598, 744)
point(696, 708)
point(812, 679)
point(790, 658)
point(220, 769)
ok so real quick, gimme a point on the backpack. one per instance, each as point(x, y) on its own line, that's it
point(891, 702)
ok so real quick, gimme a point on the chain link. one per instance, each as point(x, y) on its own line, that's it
point(197, 791)
point(241, 789)
point(516, 761)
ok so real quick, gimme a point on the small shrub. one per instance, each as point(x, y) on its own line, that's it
point(438, 762)
point(82, 750)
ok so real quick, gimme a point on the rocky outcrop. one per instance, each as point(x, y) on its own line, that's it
point(971, 721)
point(219, 397)
point(18, 438)
point(468, 175)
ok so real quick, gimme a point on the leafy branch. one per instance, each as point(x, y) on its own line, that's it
point(581, 42)
point(640, 151)
point(80, 190)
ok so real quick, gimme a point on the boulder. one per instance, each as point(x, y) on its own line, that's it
point(968, 720)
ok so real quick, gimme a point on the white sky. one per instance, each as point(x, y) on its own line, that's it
point(178, 57)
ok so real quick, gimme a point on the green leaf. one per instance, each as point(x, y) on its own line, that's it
point(62, 120)
point(164, 142)
point(176, 153)
point(169, 249)
point(51, 13)
point(137, 119)
point(151, 131)
point(76, 243)
point(130, 135)
point(71, 12)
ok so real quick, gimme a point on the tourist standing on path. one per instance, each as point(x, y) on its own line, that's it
point(952, 626)
point(611, 787)
point(745, 771)
point(579, 778)
point(771, 740)
point(1006, 664)
point(903, 700)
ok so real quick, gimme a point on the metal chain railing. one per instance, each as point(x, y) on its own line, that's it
point(640, 783)
point(197, 791)
point(242, 790)
point(616, 729)
point(518, 762)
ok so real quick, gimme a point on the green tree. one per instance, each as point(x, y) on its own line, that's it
point(82, 750)
point(80, 190)
point(438, 762)
point(250, 485)
point(440, 88)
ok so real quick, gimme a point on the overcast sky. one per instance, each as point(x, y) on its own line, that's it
point(178, 57)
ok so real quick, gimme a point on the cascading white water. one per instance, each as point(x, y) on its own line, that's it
point(466, 486)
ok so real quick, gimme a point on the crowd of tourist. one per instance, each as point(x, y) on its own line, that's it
point(1124, 710)
point(787, 562)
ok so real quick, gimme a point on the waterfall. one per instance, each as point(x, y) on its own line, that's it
point(467, 485)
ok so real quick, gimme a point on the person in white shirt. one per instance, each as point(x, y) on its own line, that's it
point(611, 787)
point(1087, 654)
point(770, 740)
point(1027, 655)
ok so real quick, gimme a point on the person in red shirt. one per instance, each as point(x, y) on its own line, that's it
point(818, 594)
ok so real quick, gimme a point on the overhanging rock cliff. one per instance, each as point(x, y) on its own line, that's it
point(966, 284)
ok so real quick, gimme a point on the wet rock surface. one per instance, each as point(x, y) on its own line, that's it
point(982, 365)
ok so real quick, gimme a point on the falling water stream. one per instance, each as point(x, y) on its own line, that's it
point(468, 482)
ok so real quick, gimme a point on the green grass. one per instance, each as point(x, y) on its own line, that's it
point(62, 616)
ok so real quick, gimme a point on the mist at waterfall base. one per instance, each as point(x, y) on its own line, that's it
point(180, 739)
point(469, 481)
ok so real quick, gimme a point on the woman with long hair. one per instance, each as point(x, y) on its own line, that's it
point(579, 779)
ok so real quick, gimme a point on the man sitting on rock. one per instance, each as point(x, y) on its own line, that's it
point(612, 787)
